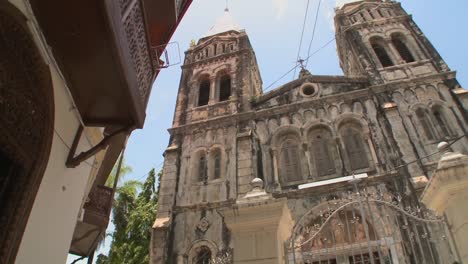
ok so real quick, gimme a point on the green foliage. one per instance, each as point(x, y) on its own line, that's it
point(133, 215)
point(102, 259)
point(124, 170)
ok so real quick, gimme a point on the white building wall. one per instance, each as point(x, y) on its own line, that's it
point(50, 227)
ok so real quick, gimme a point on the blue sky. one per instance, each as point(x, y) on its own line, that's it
point(274, 28)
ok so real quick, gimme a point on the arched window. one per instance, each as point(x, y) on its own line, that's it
point(203, 256)
point(290, 161)
point(224, 88)
point(425, 122)
point(441, 122)
point(402, 49)
point(322, 151)
point(204, 93)
point(214, 164)
point(379, 49)
point(355, 148)
point(202, 175)
point(217, 166)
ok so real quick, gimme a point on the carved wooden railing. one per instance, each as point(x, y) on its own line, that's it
point(98, 206)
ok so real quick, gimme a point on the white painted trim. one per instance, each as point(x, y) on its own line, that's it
point(332, 181)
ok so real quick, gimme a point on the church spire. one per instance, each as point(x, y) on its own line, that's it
point(223, 24)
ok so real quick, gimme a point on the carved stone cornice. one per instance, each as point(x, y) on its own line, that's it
point(391, 86)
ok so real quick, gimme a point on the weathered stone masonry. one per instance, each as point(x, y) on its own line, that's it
point(397, 101)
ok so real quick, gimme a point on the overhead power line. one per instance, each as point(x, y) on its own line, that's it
point(297, 65)
point(302, 35)
point(313, 31)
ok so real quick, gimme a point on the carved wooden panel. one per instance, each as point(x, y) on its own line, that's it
point(134, 26)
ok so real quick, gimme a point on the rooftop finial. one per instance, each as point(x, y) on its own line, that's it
point(227, 6)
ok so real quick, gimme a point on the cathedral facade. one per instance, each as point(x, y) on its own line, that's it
point(323, 169)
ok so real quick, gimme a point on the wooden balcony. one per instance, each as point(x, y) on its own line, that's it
point(104, 50)
point(92, 228)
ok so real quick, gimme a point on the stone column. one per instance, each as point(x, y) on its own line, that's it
point(167, 194)
point(213, 91)
point(447, 194)
point(403, 141)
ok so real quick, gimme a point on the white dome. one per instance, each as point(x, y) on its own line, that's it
point(223, 24)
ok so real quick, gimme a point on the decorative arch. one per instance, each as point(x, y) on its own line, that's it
point(400, 42)
point(324, 158)
point(352, 118)
point(439, 112)
point(27, 122)
point(204, 87)
point(356, 149)
point(290, 158)
point(380, 49)
point(216, 162)
point(283, 130)
point(223, 83)
point(202, 250)
point(424, 121)
point(199, 165)
point(286, 144)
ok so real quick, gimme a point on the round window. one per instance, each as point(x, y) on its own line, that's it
point(309, 89)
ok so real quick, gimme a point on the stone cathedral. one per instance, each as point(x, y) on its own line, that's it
point(323, 169)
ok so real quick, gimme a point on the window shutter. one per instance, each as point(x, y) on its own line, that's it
point(355, 149)
point(322, 156)
point(425, 123)
point(291, 161)
point(441, 123)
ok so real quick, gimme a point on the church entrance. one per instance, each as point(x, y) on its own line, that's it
point(369, 227)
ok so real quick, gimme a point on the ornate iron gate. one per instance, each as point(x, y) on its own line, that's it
point(369, 226)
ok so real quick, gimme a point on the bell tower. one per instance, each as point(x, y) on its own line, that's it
point(379, 39)
point(220, 74)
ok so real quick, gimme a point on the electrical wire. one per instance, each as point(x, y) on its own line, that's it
point(313, 31)
point(158, 167)
point(297, 65)
point(302, 35)
point(434, 153)
point(69, 148)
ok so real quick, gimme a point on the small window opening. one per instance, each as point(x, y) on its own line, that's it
point(362, 16)
point(290, 168)
point(380, 13)
point(206, 52)
point(232, 47)
point(370, 13)
point(203, 256)
point(382, 55)
point(217, 166)
point(425, 123)
point(308, 90)
point(215, 49)
point(402, 49)
point(202, 177)
point(355, 148)
point(204, 93)
point(224, 88)
point(441, 123)
point(224, 48)
point(321, 148)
